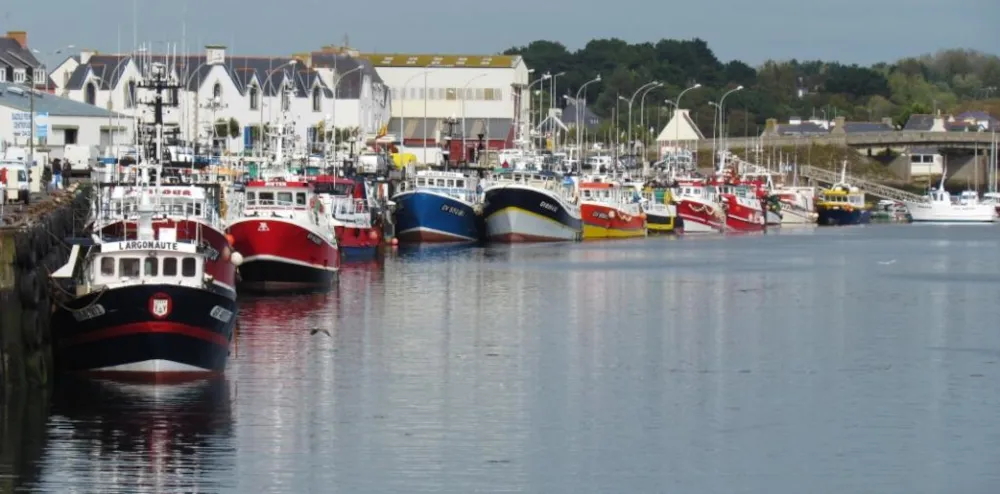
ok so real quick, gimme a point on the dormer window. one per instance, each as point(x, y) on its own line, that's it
point(39, 76)
point(19, 75)
point(254, 96)
point(317, 98)
point(90, 93)
point(130, 94)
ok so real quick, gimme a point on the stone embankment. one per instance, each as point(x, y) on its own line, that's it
point(32, 246)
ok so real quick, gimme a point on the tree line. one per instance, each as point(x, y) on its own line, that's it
point(950, 80)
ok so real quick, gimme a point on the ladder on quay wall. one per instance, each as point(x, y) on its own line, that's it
point(875, 189)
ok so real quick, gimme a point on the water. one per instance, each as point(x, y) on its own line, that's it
point(822, 361)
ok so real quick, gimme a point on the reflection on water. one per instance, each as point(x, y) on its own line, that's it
point(23, 417)
point(823, 361)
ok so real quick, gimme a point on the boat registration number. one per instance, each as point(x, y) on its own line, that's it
point(315, 239)
point(96, 310)
point(599, 215)
point(453, 210)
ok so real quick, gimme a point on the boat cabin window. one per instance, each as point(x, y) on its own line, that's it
point(300, 199)
point(170, 266)
point(265, 198)
point(128, 267)
point(150, 265)
point(189, 267)
point(284, 198)
point(193, 209)
point(460, 183)
point(420, 182)
point(451, 183)
point(251, 198)
point(108, 266)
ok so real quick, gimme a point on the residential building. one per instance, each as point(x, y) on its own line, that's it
point(680, 133)
point(457, 97)
point(247, 92)
point(18, 63)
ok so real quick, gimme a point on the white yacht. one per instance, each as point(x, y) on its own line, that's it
point(939, 207)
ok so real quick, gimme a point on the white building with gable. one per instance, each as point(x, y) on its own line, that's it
point(245, 92)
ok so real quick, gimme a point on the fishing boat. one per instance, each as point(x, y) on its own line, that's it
point(192, 211)
point(840, 205)
point(358, 228)
point(742, 206)
point(147, 305)
point(796, 205)
point(698, 206)
point(661, 212)
point(438, 206)
point(609, 210)
point(531, 206)
point(287, 238)
point(938, 206)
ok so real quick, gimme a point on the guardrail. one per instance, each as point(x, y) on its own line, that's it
point(868, 139)
point(873, 188)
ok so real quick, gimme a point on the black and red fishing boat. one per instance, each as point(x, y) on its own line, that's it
point(347, 202)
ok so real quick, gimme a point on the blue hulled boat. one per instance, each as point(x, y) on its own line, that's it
point(438, 206)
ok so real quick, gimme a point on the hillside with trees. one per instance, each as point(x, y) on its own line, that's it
point(950, 81)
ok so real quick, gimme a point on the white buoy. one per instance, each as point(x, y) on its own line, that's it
point(236, 258)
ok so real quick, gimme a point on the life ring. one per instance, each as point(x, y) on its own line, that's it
point(611, 214)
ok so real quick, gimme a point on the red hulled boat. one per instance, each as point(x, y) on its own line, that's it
point(190, 210)
point(699, 207)
point(286, 237)
point(607, 211)
point(346, 201)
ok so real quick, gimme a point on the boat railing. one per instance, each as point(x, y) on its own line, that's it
point(465, 194)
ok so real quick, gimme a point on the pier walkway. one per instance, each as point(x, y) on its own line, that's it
point(830, 177)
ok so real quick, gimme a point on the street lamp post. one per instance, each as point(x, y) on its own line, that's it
point(677, 106)
point(552, 104)
point(466, 86)
point(336, 83)
point(424, 143)
point(579, 124)
point(715, 120)
point(722, 116)
point(648, 85)
point(642, 110)
point(527, 91)
point(402, 107)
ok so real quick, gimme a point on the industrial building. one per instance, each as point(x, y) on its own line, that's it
point(437, 97)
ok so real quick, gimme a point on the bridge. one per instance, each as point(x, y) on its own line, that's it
point(821, 175)
point(890, 139)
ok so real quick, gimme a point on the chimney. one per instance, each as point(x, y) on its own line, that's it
point(938, 125)
point(215, 54)
point(85, 56)
point(20, 36)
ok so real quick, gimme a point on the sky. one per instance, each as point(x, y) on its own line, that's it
point(852, 31)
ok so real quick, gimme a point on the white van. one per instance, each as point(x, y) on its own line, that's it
point(14, 186)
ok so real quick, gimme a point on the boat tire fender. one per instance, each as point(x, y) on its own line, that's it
point(29, 289)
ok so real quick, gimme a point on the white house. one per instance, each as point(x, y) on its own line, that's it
point(465, 95)
point(680, 133)
point(214, 87)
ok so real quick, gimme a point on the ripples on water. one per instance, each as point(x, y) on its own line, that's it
point(821, 361)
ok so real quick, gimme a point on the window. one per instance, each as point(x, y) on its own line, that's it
point(170, 266)
point(420, 182)
point(254, 97)
point(108, 266)
point(266, 198)
point(19, 75)
point(90, 93)
point(488, 94)
point(217, 91)
point(39, 76)
point(150, 266)
point(3, 75)
point(451, 182)
point(189, 267)
point(286, 101)
point(284, 198)
point(130, 94)
point(460, 183)
point(316, 98)
point(251, 198)
point(128, 267)
point(497, 94)
point(300, 199)
point(451, 94)
point(421, 94)
point(480, 94)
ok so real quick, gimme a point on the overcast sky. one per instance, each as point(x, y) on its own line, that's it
point(861, 31)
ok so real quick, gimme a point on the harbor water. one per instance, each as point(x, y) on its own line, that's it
point(820, 360)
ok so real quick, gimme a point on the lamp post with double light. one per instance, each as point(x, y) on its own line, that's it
point(463, 95)
point(677, 105)
point(722, 120)
point(336, 84)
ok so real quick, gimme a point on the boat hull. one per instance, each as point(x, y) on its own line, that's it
point(838, 216)
point(699, 217)
point(217, 265)
point(429, 217)
point(661, 224)
point(526, 214)
point(741, 217)
point(932, 213)
point(145, 330)
point(358, 241)
point(607, 221)
point(282, 255)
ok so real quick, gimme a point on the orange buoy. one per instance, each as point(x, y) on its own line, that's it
point(230, 238)
point(373, 235)
point(395, 241)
